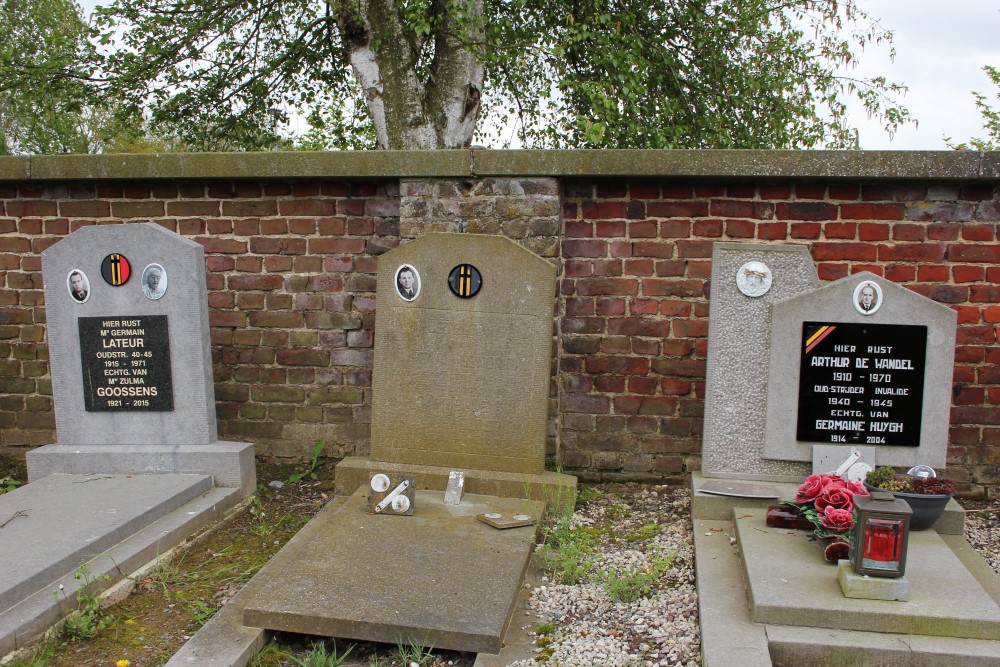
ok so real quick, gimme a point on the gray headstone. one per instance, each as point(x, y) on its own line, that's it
point(130, 357)
point(887, 382)
point(739, 335)
point(463, 382)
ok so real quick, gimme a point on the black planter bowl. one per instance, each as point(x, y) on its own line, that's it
point(926, 508)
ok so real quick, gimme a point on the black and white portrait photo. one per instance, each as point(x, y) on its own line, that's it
point(867, 297)
point(407, 282)
point(154, 281)
point(78, 285)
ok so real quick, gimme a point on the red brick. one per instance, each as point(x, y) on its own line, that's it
point(845, 251)
point(607, 267)
point(991, 314)
point(677, 190)
point(689, 249)
point(607, 286)
point(949, 293)
point(671, 268)
point(639, 267)
point(690, 328)
point(278, 246)
point(930, 273)
point(730, 208)
point(741, 190)
point(871, 211)
point(810, 190)
point(877, 269)
point(336, 246)
point(276, 264)
point(972, 232)
point(671, 386)
point(225, 246)
point(255, 282)
point(617, 365)
point(740, 229)
point(805, 230)
point(698, 269)
point(608, 228)
point(642, 229)
point(643, 306)
point(984, 293)
point(307, 207)
point(942, 232)
point(772, 230)
point(635, 326)
point(775, 190)
point(603, 209)
point(591, 248)
point(677, 209)
point(611, 308)
point(578, 267)
point(845, 191)
point(349, 207)
point(893, 192)
point(611, 190)
point(20, 208)
point(644, 190)
point(249, 264)
point(908, 232)
point(226, 318)
point(840, 230)
point(706, 190)
point(828, 271)
point(653, 249)
point(809, 211)
point(938, 211)
point(912, 252)
point(870, 231)
point(967, 315)
point(968, 274)
point(668, 287)
point(974, 253)
point(675, 229)
point(712, 228)
point(612, 384)
point(656, 405)
point(977, 192)
point(579, 229)
point(276, 319)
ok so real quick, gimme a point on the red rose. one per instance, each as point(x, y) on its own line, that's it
point(811, 488)
point(857, 489)
point(835, 496)
point(837, 520)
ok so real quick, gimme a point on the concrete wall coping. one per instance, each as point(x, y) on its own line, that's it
point(476, 163)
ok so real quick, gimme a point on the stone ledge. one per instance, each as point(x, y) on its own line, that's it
point(476, 163)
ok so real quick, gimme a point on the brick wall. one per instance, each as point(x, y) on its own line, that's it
point(291, 271)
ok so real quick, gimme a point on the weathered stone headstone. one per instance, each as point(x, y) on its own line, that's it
point(130, 355)
point(463, 344)
point(878, 374)
point(739, 337)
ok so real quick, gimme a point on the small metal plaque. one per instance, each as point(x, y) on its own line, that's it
point(505, 521)
point(126, 363)
point(116, 269)
point(739, 489)
point(465, 281)
point(391, 494)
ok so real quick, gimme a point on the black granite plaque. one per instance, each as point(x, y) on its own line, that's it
point(861, 383)
point(126, 363)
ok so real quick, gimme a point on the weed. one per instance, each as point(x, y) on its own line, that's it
point(567, 551)
point(633, 583)
point(272, 655)
point(541, 629)
point(644, 532)
point(201, 611)
point(88, 619)
point(410, 652)
point(317, 460)
point(8, 484)
point(586, 493)
point(38, 657)
point(318, 657)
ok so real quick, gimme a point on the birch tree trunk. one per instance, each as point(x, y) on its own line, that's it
point(409, 112)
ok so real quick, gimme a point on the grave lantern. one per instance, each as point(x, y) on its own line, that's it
point(881, 532)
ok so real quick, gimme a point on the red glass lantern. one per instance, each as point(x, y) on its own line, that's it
point(880, 536)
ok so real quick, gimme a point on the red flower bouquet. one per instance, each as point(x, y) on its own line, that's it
point(827, 502)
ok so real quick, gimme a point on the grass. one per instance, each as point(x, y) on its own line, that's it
point(632, 584)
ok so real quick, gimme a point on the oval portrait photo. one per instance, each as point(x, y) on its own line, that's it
point(78, 285)
point(867, 297)
point(407, 282)
point(154, 281)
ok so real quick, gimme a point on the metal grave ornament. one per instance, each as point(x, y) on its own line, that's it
point(465, 281)
point(505, 521)
point(391, 494)
point(853, 469)
point(116, 269)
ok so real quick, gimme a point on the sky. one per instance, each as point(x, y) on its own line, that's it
point(941, 48)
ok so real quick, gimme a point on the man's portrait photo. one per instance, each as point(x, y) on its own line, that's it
point(407, 282)
point(867, 298)
point(154, 281)
point(78, 285)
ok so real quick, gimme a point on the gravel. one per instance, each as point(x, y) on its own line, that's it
point(580, 625)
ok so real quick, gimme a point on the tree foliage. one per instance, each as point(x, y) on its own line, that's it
point(991, 115)
point(258, 74)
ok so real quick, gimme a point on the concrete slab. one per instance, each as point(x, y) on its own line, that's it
point(728, 635)
point(439, 577)
point(519, 642)
point(795, 646)
point(68, 518)
point(23, 623)
point(790, 584)
point(720, 508)
point(558, 490)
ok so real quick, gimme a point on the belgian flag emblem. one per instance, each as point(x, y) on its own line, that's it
point(115, 269)
point(465, 281)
